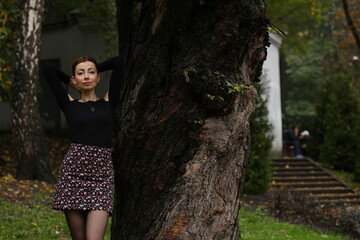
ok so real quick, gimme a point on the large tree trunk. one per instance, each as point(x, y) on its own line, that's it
point(28, 135)
point(183, 129)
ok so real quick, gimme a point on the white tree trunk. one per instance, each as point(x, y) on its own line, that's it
point(28, 135)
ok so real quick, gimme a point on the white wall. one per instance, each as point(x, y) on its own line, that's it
point(271, 77)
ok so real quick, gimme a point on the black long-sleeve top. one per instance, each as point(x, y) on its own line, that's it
point(91, 122)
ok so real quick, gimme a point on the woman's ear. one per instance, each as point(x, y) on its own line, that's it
point(73, 80)
point(73, 84)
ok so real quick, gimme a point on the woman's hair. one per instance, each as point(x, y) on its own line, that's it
point(83, 59)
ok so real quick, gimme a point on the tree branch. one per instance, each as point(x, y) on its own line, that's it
point(351, 23)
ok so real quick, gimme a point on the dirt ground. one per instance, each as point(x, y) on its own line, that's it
point(253, 202)
point(20, 191)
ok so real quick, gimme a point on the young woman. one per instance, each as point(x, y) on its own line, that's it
point(86, 178)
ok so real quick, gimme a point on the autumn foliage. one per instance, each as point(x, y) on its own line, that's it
point(9, 20)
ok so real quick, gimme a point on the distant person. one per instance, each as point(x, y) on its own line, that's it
point(85, 187)
point(294, 138)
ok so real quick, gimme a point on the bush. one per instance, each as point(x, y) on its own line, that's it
point(298, 208)
point(338, 123)
point(258, 172)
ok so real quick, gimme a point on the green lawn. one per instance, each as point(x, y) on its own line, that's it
point(37, 221)
point(258, 225)
point(34, 221)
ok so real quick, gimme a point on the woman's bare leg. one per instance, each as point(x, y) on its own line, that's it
point(96, 223)
point(76, 220)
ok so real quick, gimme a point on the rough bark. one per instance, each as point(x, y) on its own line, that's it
point(183, 118)
point(28, 135)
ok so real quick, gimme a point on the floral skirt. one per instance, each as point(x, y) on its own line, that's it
point(86, 179)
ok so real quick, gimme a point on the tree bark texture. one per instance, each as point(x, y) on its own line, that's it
point(28, 135)
point(183, 117)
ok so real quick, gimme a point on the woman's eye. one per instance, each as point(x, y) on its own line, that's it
point(92, 72)
point(80, 73)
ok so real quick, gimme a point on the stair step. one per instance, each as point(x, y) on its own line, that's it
point(324, 191)
point(298, 170)
point(304, 176)
point(302, 179)
point(300, 174)
point(309, 185)
point(338, 197)
point(351, 202)
point(333, 194)
point(287, 165)
point(289, 159)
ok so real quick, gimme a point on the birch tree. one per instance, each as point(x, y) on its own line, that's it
point(28, 135)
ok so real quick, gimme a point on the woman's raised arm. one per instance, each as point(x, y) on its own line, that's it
point(117, 65)
point(54, 76)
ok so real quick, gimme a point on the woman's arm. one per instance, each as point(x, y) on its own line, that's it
point(117, 65)
point(54, 76)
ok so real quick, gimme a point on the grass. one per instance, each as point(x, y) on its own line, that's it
point(258, 225)
point(346, 177)
point(35, 220)
point(31, 222)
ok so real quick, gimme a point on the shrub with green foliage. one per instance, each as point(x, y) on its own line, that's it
point(9, 22)
point(296, 207)
point(338, 123)
point(258, 171)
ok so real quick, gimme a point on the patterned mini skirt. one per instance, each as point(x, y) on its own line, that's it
point(86, 179)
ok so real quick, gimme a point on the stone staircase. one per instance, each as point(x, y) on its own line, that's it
point(306, 176)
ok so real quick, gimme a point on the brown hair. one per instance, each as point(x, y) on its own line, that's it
point(81, 60)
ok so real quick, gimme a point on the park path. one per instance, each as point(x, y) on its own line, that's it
point(306, 176)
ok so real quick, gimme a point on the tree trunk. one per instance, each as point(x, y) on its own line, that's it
point(28, 135)
point(351, 24)
point(183, 117)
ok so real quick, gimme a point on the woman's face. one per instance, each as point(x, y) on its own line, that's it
point(86, 76)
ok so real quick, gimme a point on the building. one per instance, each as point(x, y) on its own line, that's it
point(271, 79)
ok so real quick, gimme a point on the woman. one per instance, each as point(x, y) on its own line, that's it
point(293, 137)
point(85, 187)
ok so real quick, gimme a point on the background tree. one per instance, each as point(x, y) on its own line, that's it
point(338, 122)
point(183, 117)
point(321, 76)
point(308, 25)
point(9, 20)
point(28, 135)
point(351, 23)
point(258, 169)
point(337, 116)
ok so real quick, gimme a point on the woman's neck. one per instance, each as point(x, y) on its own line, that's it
point(88, 96)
